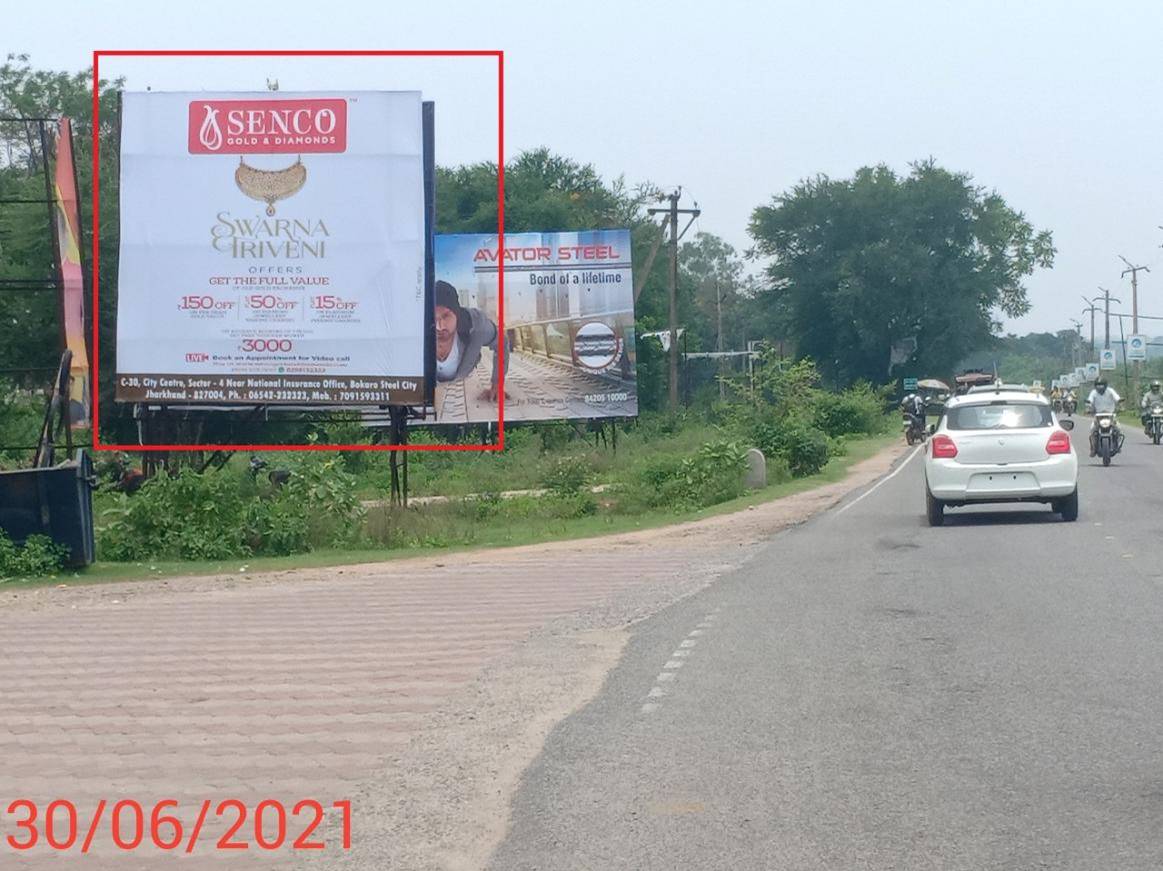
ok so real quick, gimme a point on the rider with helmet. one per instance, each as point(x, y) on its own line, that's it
point(1102, 400)
point(1154, 396)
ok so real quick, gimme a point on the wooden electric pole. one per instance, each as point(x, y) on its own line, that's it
point(672, 213)
point(1134, 270)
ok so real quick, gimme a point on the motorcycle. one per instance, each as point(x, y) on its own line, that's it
point(914, 427)
point(1155, 422)
point(1108, 437)
point(1069, 406)
point(1057, 405)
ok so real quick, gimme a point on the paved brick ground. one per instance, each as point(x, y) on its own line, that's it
point(288, 688)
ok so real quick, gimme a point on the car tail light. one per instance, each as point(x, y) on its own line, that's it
point(1059, 443)
point(943, 447)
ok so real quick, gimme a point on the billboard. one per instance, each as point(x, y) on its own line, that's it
point(568, 327)
point(1106, 359)
point(272, 249)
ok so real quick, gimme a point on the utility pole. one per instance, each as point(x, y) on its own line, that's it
point(1075, 341)
point(1106, 295)
point(1134, 270)
point(1092, 308)
point(719, 341)
point(672, 213)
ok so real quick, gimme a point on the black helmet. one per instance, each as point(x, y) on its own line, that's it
point(1100, 385)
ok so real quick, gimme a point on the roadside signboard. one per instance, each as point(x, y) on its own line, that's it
point(1137, 348)
point(272, 249)
point(910, 385)
point(1106, 359)
point(568, 326)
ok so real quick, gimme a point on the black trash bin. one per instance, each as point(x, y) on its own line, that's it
point(57, 502)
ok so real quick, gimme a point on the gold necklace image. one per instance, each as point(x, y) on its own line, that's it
point(270, 185)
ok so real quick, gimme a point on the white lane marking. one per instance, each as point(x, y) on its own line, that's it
point(881, 482)
point(676, 661)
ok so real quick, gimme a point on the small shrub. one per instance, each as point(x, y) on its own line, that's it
point(189, 516)
point(859, 409)
point(567, 506)
point(567, 475)
point(37, 557)
point(803, 447)
point(713, 475)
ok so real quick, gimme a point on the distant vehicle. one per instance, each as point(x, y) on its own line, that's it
point(973, 378)
point(1000, 446)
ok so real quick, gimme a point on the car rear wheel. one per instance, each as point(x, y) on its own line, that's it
point(1068, 507)
point(934, 509)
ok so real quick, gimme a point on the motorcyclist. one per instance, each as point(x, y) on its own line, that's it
point(1102, 400)
point(914, 406)
point(1154, 396)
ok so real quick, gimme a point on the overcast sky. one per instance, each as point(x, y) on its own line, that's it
point(1055, 104)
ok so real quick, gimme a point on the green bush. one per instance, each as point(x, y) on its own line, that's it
point(858, 410)
point(567, 475)
point(317, 507)
point(713, 475)
point(804, 448)
point(217, 515)
point(37, 557)
point(566, 506)
point(189, 516)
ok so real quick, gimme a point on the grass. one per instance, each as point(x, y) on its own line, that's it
point(460, 526)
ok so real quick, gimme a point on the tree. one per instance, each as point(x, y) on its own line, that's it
point(864, 263)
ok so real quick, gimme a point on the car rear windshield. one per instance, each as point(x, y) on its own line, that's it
point(999, 415)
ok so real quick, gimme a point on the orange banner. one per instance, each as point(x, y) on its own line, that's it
point(72, 281)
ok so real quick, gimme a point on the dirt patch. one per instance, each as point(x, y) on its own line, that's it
point(443, 803)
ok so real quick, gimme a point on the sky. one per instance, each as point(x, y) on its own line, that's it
point(1052, 103)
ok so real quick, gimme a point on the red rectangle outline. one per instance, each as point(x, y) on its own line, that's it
point(499, 54)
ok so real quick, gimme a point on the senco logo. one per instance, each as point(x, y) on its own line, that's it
point(268, 126)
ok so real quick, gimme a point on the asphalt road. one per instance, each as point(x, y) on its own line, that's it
point(871, 693)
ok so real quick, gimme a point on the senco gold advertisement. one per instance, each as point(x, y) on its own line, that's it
point(272, 249)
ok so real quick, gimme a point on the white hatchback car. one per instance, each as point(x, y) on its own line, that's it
point(1000, 446)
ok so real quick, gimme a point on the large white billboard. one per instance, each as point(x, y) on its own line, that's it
point(272, 248)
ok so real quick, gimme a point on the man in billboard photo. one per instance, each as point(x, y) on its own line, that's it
point(461, 334)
